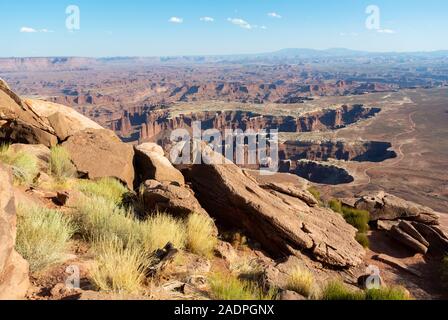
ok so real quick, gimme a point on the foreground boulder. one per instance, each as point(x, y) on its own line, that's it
point(14, 281)
point(281, 223)
point(64, 120)
point(150, 164)
point(20, 124)
point(383, 206)
point(100, 153)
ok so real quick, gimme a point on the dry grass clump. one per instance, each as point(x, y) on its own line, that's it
point(230, 288)
point(100, 218)
point(301, 281)
point(160, 229)
point(42, 236)
point(24, 166)
point(118, 268)
point(201, 238)
point(60, 165)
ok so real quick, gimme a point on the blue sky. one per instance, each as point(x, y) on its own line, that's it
point(175, 27)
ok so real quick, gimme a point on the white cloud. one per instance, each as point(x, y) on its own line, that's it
point(32, 30)
point(176, 20)
point(389, 31)
point(274, 15)
point(207, 19)
point(27, 30)
point(240, 23)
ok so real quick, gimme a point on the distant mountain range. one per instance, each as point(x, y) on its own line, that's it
point(290, 55)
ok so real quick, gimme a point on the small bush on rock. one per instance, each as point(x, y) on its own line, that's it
point(357, 218)
point(444, 271)
point(335, 205)
point(24, 166)
point(315, 193)
point(363, 239)
point(61, 166)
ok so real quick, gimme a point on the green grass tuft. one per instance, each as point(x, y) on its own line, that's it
point(24, 166)
point(230, 288)
point(363, 240)
point(336, 290)
point(357, 218)
point(201, 238)
point(42, 236)
point(61, 166)
point(444, 271)
point(108, 188)
point(388, 294)
point(315, 193)
point(335, 205)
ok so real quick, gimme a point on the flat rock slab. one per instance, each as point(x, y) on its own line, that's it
point(397, 264)
point(282, 225)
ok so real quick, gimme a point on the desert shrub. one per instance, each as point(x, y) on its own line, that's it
point(108, 188)
point(363, 239)
point(246, 267)
point(60, 165)
point(315, 193)
point(160, 229)
point(100, 218)
point(388, 294)
point(357, 218)
point(24, 166)
point(301, 281)
point(118, 268)
point(201, 238)
point(336, 290)
point(42, 236)
point(444, 271)
point(229, 287)
point(335, 205)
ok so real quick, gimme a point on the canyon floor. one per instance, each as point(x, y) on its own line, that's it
point(414, 121)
